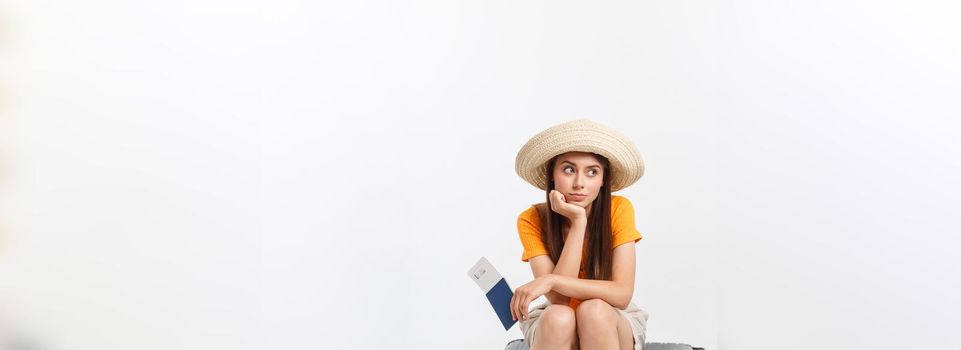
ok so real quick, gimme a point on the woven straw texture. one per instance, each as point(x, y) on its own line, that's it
point(582, 135)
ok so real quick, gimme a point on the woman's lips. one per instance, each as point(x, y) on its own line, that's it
point(577, 197)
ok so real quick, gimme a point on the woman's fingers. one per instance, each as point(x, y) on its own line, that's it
point(514, 302)
point(516, 308)
point(524, 307)
point(520, 308)
point(556, 200)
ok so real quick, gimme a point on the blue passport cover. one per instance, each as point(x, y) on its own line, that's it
point(500, 297)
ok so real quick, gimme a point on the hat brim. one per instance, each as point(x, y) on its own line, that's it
point(582, 135)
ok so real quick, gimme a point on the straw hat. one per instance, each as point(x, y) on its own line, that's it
point(580, 135)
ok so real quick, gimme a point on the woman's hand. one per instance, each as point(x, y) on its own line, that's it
point(524, 295)
point(568, 210)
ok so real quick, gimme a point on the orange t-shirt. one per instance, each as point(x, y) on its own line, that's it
point(622, 230)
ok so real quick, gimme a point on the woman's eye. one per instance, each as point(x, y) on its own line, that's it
point(568, 168)
point(592, 172)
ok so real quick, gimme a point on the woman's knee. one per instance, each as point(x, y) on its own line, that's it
point(595, 312)
point(557, 319)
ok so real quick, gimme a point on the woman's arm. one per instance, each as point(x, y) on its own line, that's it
point(542, 266)
point(617, 292)
point(568, 264)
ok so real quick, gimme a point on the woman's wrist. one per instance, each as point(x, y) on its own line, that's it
point(551, 280)
point(579, 221)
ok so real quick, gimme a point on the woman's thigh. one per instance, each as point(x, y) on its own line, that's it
point(637, 321)
point(562, 317)
point(595, 308)
point(625, 335)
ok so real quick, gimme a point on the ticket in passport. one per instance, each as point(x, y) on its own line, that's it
point(493, 285)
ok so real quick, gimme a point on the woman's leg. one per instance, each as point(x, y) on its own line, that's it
point(600, 326)
point(556, 328)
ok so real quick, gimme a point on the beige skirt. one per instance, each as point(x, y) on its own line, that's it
point(636, 316)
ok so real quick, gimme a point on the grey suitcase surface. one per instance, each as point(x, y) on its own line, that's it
point(520, 344)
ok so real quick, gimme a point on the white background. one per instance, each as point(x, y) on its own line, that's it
point(284, 175)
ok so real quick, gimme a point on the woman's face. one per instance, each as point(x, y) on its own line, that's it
point(579, 176)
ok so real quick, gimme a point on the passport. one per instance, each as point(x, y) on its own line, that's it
point(495, 287)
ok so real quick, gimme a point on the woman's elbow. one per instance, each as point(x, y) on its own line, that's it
point(624, 300)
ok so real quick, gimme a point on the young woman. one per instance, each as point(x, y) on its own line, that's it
point(580, 241)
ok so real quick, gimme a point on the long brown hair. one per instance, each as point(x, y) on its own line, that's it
point(598, 260)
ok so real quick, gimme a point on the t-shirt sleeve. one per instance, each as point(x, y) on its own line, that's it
point(622, 222)
point(529, 229)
